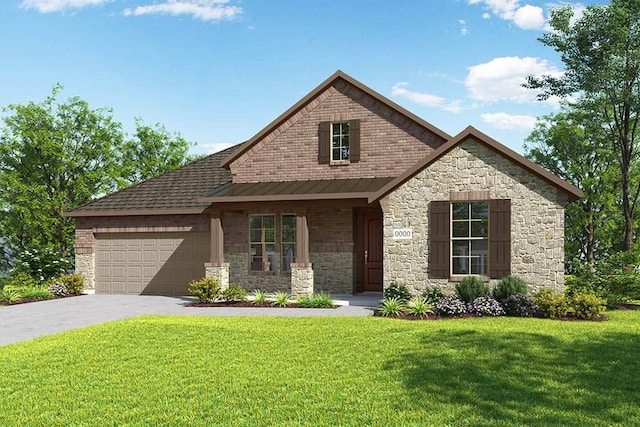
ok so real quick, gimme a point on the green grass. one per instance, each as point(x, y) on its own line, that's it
point(157, 370)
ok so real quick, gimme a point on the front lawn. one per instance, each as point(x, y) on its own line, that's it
point(158, 370)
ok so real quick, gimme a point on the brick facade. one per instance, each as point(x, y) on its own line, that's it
point(390, 142)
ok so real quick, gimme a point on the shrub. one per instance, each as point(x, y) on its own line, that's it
point(282, 299)
point(20, 280)
point(609, 287)
point(235, 293)
point(319, 300)
point(451, 306)
point(58, 289)
point(552, 304)
point(10, 295)
point(471, 288)
point(42, 264)
point(73, 282)
point(259, 296)
point(508, 286)
point(419, 307)
point(205, 290)
point(587, 305)
point(398, 291)
point(520, 306)
point(485, 306)
point(432, 294)
point(391, 306)
point(37, 292)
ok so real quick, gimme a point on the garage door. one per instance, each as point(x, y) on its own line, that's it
point(150, 263)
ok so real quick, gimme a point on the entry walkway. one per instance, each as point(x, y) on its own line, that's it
point(27, 321)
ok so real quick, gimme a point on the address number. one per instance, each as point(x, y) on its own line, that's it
point(402, 234)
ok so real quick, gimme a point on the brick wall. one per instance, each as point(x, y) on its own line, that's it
point(390, 143)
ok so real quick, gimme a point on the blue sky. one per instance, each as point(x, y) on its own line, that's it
point(218, 71)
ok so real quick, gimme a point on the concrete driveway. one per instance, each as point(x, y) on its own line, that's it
point(27, 321)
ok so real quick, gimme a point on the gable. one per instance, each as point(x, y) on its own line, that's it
point(390, 141)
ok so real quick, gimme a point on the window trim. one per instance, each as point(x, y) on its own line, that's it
point(277, 263)
point(272, 268)
point(342, 135)
point(294, 243)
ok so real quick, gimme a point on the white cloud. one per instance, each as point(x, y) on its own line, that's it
point(463, 27)
point(501, 79)
point(48, 6)
point(527, 17)
point(213, 147)
point(205, 10)
point(425, 99)
point(509, 121)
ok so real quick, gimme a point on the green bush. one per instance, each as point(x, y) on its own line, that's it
point(37, 292)
point(398, 291)
point(259, 296)
point(432, 294)
point(73, 282)
point(627, 284)
point(614, 288)
point(552, 304)
point(282, 299)
point(419, 307)
point(318, 300)
point(508, 286)
point(587, 305)
point(205, 290)
point(392, 306)
point(20, 280)
point(42, 264)
point(10, 295)
point(471, 288)
point(235, 293)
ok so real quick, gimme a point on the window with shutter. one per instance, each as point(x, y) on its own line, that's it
point(339, 142)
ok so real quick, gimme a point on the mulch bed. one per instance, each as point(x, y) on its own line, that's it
point(628, 306)
point(378, 313)
point(28, 300)
point(267, 304)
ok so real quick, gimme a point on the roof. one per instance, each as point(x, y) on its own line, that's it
point(572, 192)
point(328, 189)
point(244, 147)
point(174, 192)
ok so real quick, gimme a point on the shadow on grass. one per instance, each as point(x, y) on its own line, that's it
point(524, 378)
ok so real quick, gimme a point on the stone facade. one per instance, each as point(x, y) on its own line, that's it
point(219, 272)
point(301, 280)
point(390, 142)
point(86, 265)
point(537, 217)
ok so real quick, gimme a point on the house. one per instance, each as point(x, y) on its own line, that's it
point(344, 192)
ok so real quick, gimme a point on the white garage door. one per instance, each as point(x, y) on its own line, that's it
point(150, 263)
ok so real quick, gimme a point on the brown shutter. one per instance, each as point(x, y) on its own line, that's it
point(354, 141)
point(499, 238)
point(324, 143)
point(440, 247)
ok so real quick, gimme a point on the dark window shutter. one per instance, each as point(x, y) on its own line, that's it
point(354, 141)
point(439, 258)
point(324, 143)
point(499, 238)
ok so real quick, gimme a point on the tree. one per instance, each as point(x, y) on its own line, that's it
point(56, 155)
point(151, 152)
point(576, 148)
point(53, 156)
point(601, 54)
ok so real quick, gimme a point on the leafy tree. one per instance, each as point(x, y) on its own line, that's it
point(53, 156)
point(151, 152)
point(601, 54)
point(58, 154)
point(577, 149)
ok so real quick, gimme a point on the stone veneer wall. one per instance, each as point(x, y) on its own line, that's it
point(537, 217)
point(86, 265)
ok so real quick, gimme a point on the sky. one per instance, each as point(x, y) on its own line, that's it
point(218, 71)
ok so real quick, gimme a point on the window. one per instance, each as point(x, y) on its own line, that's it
point(262, 242)
point(470, 238)
point(288, 241)
point(339, 141)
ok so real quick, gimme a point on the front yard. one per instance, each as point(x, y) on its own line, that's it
point(164, 370)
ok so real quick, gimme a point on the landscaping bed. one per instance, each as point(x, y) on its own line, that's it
point(28, 300)
point(249, 304)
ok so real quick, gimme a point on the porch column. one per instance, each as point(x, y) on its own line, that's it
point(302, 270)
point(216, 267)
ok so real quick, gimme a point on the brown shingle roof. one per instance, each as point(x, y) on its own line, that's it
point(176, 191)
point(297, 190)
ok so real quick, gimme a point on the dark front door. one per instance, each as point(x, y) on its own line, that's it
point(372, 253)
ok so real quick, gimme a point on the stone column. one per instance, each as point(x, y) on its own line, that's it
point(302, 269)
point(216, 267)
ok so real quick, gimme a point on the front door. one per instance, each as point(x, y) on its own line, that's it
point(372, 253)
